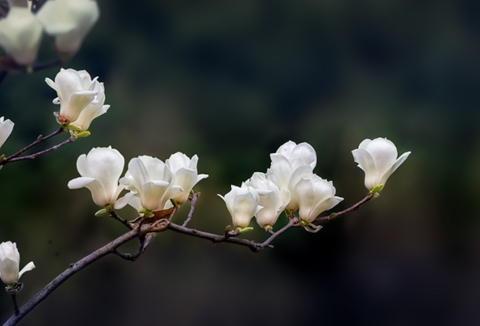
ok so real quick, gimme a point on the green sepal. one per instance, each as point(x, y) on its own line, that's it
point(79, 134)
point(310, 227)
point(376, 189)
point(146, 212)
point(242, 230)
point(101, 212)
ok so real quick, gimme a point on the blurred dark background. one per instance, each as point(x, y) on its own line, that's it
point(231, 81)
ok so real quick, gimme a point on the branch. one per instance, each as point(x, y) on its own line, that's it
point(39, 139)
point(192, 208)
point(76, 267)
point(118, 218)
point(345, 211)
point(35, 155)
point(144, 242)
point(145, 231)
point(46, 65)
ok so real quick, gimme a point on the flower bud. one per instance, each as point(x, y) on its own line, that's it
point(100, 170)
point(378, 158)
point(20, 35)
point(10, 262)
point(186, 175)
point(315, 195)
point(76, 91)
point(151, 182)
point(69, 21)
point(242, 203)
point(6, 127)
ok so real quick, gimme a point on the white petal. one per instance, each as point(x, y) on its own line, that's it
point(27, 268)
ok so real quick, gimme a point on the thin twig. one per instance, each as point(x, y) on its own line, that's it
point(118, 218)
point(36, 142)
point(35, 155)
point(192, 209)
point(15, 305)
point(46, 65)
point(345, 211)
point(141, 249)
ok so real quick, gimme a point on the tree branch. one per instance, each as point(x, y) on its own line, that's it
point(76, 267)
point(144, 232)
point(35, 155)
point(192, 208)
point(118, 218)
point(345, 211)
point(39, 139)
point(144, 242)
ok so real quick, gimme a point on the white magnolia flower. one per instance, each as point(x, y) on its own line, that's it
point(20, 34)
point(242, 203)
point(69, 21)
point(6, 127)
point(186, 175)
point(76, 91)
point(152, 181)
point(272, 199)
point(100, 170)
point(10, 263)
point(315, 195)
point(378, 158)
point(290, 163)
point(93, 110)
point(301, 154)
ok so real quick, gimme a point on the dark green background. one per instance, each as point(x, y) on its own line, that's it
point(231, 81)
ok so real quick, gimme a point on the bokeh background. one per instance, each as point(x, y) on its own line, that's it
point(231, 81)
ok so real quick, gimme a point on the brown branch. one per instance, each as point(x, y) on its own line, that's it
point(35, 155)
point(46, 65)
point(193, 201)
point(15, 305)
point(345, 211)
point(143, 231)
point(76, 267)
point(36, 142)
point(144, 242)
point(118, 218)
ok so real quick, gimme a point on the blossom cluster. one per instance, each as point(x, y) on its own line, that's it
point(290, 184)
point(68, 20)
point(153, 185)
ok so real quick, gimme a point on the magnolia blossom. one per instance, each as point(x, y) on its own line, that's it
point(10, 263)
point(76, 91)
point(152, 181)
point(100, 170)
point(301, 154)
point(315, 195)
point(6, 127)
point(272, 198)
point(378, 158)
point(186, 175)
point(290, 163)
point(242, 203)
point(21, 33)
point(69, 21)
point(93, 110)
